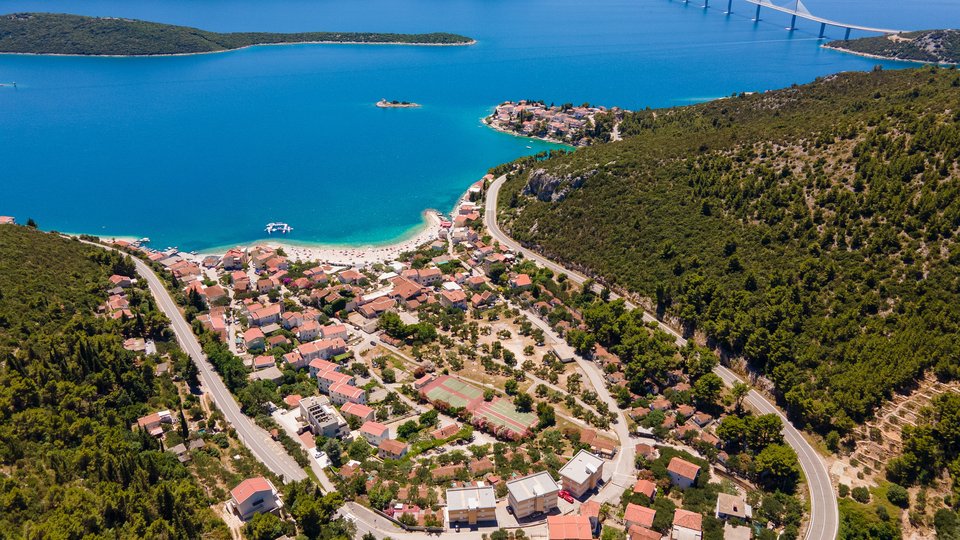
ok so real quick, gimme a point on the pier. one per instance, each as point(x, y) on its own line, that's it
point(798, 10)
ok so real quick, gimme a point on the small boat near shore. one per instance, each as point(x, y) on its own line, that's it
point(279, 227)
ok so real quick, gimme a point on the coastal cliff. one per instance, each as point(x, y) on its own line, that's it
point(61, 34)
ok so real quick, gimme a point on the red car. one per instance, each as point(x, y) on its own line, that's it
point(565, 495)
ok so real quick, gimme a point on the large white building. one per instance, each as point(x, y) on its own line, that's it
point(471, 505)
point(582, 473)
point(532, 494)
point(323, 418)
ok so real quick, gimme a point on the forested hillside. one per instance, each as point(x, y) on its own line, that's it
point(55, 33)
point(934, 46)
point(70, 466)
point(811, 230)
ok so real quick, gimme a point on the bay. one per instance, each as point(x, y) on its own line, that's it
point(202, 151)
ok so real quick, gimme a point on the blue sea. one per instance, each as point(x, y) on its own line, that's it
point(202, 151)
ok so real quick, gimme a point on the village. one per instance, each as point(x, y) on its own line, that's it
point(439, 391)
point(564, 124)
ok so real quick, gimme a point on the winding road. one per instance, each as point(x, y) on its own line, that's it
point(265, 449)
point(824, 520)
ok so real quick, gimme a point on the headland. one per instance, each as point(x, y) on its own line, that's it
point(563, 124)
point(925, 46)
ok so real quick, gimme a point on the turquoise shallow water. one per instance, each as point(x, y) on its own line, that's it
point(202, 151)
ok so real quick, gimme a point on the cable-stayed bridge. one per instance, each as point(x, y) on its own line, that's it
point(796, 9)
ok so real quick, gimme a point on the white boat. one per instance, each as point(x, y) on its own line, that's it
point(279, 227)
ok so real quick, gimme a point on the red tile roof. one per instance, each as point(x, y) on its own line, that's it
point(375, 429)
point(569, 528)
point(646, 487)
point(687, 519)
point(640, 515)
point(637, 532)
point(683, 468)
point(249, 487)
point(356, 409)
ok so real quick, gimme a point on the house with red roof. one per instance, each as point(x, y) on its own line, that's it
point(687, 525)
point(120, 281)
point(521, 281)
point(308, 330)
point(568, 527)
point(645, 487)
point(446, 431)
point(153, 423)
point(253, 338)
point(639, 515)
point(642, 533)
point(214, 293)
point(264, 361)
point(350, 276)
point(374, 432)
point(318, 366)
point(330, 378)
point(453, 299)
point(373, 309)
point(347, 393)
point(254, 496)
point(364, 413)
point(233, 259)
point(392, 449)
point(682, 473)
point(334, 331)
point(295, 360)
point(291, 320)
point(266, 315)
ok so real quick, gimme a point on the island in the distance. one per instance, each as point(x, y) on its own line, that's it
point(62, 34)
point(394, 104)
point(930, 46)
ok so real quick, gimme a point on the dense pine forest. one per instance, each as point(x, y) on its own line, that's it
point(70, 465)
point(810, 230)
point(54, 33)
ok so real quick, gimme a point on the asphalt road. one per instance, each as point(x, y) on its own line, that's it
point(265, 449)
point(824, 520)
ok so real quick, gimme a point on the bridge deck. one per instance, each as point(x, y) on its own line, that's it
point(814, 18)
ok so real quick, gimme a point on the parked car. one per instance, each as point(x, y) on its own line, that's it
point(565, 495)
point(509, 509)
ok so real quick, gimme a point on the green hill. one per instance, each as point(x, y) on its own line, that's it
point(934, 46)
point(70, 466)
point(49, 33)
point(811, 230)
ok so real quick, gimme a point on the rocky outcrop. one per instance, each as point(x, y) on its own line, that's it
point(549, 187)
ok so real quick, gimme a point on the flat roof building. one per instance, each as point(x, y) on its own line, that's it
point(323, 418)
point(536, 493)
point(471, 505)
point(582, 473)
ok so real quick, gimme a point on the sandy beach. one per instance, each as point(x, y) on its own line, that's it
point(354, 256)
